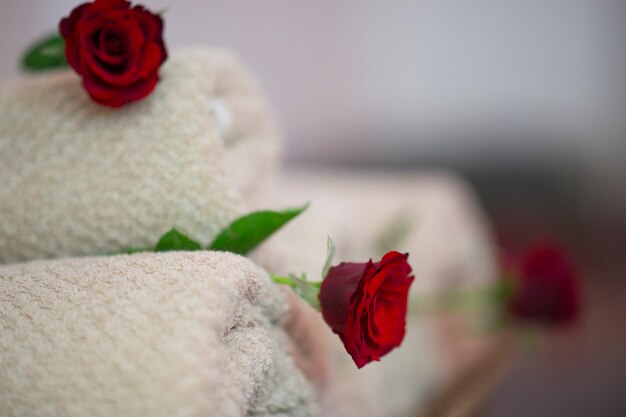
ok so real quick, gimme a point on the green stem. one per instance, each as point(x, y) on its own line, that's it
point(283, 280)
point(462, 300)
point(308, 291)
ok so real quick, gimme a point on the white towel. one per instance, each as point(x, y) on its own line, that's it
point(78, 178)
point(444, 230)
point(172, 335)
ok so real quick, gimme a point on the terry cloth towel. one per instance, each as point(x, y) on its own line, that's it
point(79, 178)
point(192, 334)
point(436, 218)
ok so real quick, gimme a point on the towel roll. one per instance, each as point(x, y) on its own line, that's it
point(175, 334)
point(79, 178)
point(435, 217)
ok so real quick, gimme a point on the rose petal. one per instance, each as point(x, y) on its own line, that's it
point(370, 301)
point(336, 291)
point(127, 71)
point(117, 97)
point(547, 289)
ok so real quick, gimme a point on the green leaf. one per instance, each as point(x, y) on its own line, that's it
point(176, 241)
point(308, 291)
point(247, 232)
point(330, 253)
point(46, 53)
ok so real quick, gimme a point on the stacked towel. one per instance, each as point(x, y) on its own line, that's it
point(434, 217)
point(200, 334)
point(82, 179)
point(174, 334)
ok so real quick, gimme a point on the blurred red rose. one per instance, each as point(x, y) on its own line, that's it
point(366, 305)
point(546, 288)
point(115, 48)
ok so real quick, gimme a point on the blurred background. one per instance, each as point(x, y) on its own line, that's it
point(525, 99)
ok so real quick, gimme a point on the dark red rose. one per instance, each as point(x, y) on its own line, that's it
point(546, 288)
point(115, 48)
point(365, 304)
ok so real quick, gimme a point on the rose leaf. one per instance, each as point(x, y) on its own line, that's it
point(330, 253)
point(176, 241)
point(48, 52)
point(247, 232)
point(308, 291)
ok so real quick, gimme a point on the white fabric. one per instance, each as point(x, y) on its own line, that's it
point(79, 178)
point(171, 334)
point(149, 334)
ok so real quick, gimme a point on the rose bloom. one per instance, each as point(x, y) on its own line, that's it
point(546, 288)
point(115, 48)
point(366, 304)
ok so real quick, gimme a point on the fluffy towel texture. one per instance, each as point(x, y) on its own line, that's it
point(83, 179)
point(174, 334)
point(434, 217)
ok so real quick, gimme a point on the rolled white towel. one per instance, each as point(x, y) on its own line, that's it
point(175, 334)
point(79, 178)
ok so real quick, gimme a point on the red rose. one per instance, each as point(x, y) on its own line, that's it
point(546, 289)
point(115, 48)
point(365, 304)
